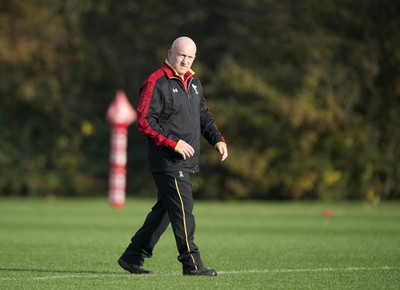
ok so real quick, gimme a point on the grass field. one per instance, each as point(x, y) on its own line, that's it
point(75, 243)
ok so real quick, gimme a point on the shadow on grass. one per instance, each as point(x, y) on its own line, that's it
point(58, 271)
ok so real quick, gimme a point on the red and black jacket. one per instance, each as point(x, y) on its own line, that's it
point(170, 110)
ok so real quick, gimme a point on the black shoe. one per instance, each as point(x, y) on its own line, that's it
point(133, 269)
point(201, 272)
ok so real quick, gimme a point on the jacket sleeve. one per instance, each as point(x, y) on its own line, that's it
point(148, 111)
point(208, 127)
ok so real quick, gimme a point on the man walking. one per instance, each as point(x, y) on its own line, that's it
point(172, 114)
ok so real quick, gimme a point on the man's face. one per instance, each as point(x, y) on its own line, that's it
point(182, 56)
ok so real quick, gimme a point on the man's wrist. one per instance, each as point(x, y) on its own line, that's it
point(221, 142)
point(176, 149)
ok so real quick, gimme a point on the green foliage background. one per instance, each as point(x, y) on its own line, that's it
point(305, 92)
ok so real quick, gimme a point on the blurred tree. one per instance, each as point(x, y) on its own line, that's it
point(306, 93)
point(39, 144)
point(304, 98)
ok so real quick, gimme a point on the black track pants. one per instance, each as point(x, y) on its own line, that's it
point(175, 205)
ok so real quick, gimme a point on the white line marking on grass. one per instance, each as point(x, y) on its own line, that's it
point(232, 272)
point(66, 276)
point(348, 269)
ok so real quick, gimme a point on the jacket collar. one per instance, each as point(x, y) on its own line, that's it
point(172, 73)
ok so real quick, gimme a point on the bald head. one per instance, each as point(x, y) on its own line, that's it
point(182, 54)
point(184, 42)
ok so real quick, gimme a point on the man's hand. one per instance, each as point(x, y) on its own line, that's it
point(222, 149)
point(184, 149)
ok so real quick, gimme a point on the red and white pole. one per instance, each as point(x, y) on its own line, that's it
point(120, 114)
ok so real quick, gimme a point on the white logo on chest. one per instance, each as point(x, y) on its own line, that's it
point(195, 89)
point(175, 90)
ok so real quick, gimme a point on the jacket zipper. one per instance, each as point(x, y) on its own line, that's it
point(183, 85)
